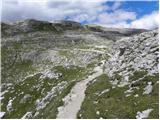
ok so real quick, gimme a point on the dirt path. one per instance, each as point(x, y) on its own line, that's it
point(73, 101)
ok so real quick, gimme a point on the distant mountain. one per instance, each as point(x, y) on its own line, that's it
point(30, 25)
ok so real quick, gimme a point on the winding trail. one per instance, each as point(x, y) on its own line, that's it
point(73, 101)
point(85, 50)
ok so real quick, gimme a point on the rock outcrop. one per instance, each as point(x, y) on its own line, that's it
point(137, 53)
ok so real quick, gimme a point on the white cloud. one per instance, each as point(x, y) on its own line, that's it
point(116, 5)
point(52, 9)
point(90, 11)
point(122, 24)
point(116, 16)
point(119, 19)
point(18, 10)
point(148, 21)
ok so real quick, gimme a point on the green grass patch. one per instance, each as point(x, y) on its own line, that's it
point(114, 103)
point(38, 88)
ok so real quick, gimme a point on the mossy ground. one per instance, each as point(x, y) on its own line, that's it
point(115, 104)
point(13, 65)
point(38, 88)
point(111, 104)
point(16, 68)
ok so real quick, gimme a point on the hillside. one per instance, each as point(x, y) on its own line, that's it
point(69, 70)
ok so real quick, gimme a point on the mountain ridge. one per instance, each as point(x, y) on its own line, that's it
point(30, 25)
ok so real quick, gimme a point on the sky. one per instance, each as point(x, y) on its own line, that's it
point(108, 13)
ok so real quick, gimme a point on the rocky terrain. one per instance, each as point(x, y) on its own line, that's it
point(129, 86)
point(68, 70)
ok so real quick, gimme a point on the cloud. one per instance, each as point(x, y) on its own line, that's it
point(116, 16)
point(116, 5)
point(148, 21)
point(84, 11)
point(119, 20)
point(122, 24)
point(18, 10)
point(79, 10)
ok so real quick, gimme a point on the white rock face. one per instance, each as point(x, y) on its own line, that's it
point(97, 112)
point(139, 52)
point(148, 88)
point(9, 106)
point(50, 74)
point(2, 114)
point(2, 94)
point(136, 95)
point(143, 114)
point(104, 91)
point(41, 103)
point(27, 115)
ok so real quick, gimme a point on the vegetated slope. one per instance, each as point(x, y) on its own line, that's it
point(42, 61)
point(129, 88)
point(114, 33)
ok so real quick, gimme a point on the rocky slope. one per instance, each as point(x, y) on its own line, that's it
point(129, 85)
point(43, 63)
point(139, 53)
